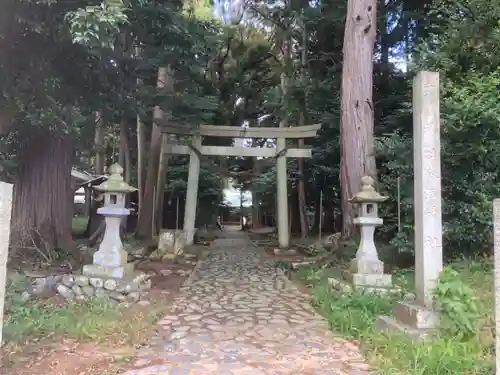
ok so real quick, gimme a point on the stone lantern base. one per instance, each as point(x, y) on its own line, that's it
point(97, 270)
point(366, 275)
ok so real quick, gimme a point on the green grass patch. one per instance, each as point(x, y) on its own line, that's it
point(96, 320)
point(79, 224)
point(454, 351)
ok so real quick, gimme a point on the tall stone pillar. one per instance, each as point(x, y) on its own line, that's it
point(417, 317)
point(427, 185)
point(496, 257)
point(192, 191)
point(5, 215)
point(282, 195)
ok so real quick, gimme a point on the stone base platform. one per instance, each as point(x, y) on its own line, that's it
point(411, 319)
point(96, 270)
point(371, 283)
point(81, 287)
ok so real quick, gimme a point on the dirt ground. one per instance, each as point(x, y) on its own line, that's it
point(66, 356)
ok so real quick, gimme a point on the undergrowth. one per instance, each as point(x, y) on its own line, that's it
point(464, 345)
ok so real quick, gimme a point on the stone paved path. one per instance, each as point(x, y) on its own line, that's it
point(237, 315)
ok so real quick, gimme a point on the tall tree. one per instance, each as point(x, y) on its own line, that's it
point(357, 114)
point(145, 222)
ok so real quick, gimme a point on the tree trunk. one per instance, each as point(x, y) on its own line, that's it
point(124, 156)
point(146, 209)
point(94, 219)
point(301, 187)
point(124, 161)
point(100, 155)
point(256, 219)
point(256, 212)
point(160, 183)
point(328, 224)
point(168, 82)
point(294, 209)
point(301, 195)
point(356, 130)
point(141, 141)
point(43, 198)
point(317, 219)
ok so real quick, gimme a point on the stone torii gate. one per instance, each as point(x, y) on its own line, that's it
point(195, 151)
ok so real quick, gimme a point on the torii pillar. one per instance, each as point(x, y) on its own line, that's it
point(192, 191)
point(282, 194)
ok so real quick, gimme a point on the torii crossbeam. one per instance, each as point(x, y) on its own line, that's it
point(195, 150)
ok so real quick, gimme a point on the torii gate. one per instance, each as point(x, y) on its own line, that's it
point(195, 151)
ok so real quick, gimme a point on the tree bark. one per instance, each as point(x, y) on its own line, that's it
point(160, 183)
point(301, 187)
point(146, 209)
point(141, 142)
point(317, 212)
point(100, 155)
point(256, 212)
point(140, 160)
point(124, 161)
point(95, 220)
point(356, 131)
point(43, 198)
point(168, 83)
point(124, 156)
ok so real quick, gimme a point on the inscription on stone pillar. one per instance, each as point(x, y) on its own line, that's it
point(427, 204)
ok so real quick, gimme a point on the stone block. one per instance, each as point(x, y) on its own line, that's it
point(392, 326)
point(106, 258)
point(278, 251)
point(413, 315)
point(346, 286)
point(368, 266)
point(371, 280)
point(128, 289)
point(171, 242)
point(410, 319)
point(96, 270)
point(340, 284)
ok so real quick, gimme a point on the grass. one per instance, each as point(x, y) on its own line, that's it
point(93, 320)
point(353, 315)
point(79, 224)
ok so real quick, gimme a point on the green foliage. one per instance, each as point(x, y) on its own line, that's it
point(363, 309)
point(284, 265)
point(469, 155)
point(97, 26)
point(457, 305)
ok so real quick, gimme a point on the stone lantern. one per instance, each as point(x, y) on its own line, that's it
point(366, 269)
point(111, 259)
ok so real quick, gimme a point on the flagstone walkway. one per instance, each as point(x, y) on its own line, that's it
point(238, 315)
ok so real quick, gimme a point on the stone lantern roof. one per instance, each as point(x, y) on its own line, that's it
point(115, 183)
point(367, 194)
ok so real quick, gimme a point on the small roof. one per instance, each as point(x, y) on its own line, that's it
point(115, 183)
point(367, 192)
point(80, 175)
